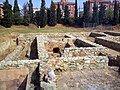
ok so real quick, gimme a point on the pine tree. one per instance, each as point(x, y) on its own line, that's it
point(86, 14)
point(52, 21)
point(76, 12)
point(26, 19)
point(16, 14)
point(102, 14)
point(58, 14)
point(43, 16)
point(116, 12)
point(37, 17)
point(31, 11)
point(66, 15)
point(48, 15)
point(119, 15)
point(7, 19)
point(95, 18)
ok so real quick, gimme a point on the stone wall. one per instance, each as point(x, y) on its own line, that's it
point(18, 64)
point(42, 52)
point(113, 33)
point(77, 63)
point(111, 42)
point(24, 39)
point(97, 34)
point(87, 51)
point(14, 54)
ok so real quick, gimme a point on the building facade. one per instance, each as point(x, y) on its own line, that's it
point(104, 2)
point(108, 3)
point(71, 6)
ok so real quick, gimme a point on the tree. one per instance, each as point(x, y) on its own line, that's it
point(43, 16)
point(76, 12)
point(26, 19)
point(31, 11)
point(16, 14)
point(7, 19)
point(86, 14)
point(95, 18)
point(53, 20)
point(109, 14)
point(116, 12)
point(48, 15)
point(58, 14)
point(66, 15)
point(80, 19)
point(102, 14)
point(119, 15)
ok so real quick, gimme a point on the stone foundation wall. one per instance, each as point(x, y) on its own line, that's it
point(113, 33)
point(24, 39)
point(77, 63)
point(18, 64)
point(42, 52)
point(13, 56)
point(53, 44)
point(111, 42)
point(97, 34)
point(89, 51)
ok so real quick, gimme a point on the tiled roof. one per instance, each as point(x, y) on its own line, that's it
point(69, 3)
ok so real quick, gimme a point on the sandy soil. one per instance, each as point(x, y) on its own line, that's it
point(99, 79)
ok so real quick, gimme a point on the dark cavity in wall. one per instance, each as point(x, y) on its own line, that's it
point(67, 45)
point(33, 52)
point(57, 50)
point(35, 79)
point(78, 43)
point(23, 84)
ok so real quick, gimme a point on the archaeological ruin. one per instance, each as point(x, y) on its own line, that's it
point(40, 61)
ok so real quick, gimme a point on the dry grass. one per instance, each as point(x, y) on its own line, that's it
point(6, 52)
point(33, 29)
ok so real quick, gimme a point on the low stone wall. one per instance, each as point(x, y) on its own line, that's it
point(113, 33)
point(24, 39)
point(111, 42)
point(42, 52)
point(87, 51)
point(14, 54)
point(18, 64)
point(77, 63)
point(20, 73)
point(97, 34)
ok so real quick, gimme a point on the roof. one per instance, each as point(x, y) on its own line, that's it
point(100, 0)
point(65, 2)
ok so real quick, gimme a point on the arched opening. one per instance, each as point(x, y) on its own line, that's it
point(56, 50)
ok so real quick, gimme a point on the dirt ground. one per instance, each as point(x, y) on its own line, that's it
point(90, 79)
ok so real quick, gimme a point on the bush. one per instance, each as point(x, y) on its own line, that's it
point(71, 21)
point(26, 22)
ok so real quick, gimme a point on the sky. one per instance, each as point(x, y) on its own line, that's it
point(36, 3)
